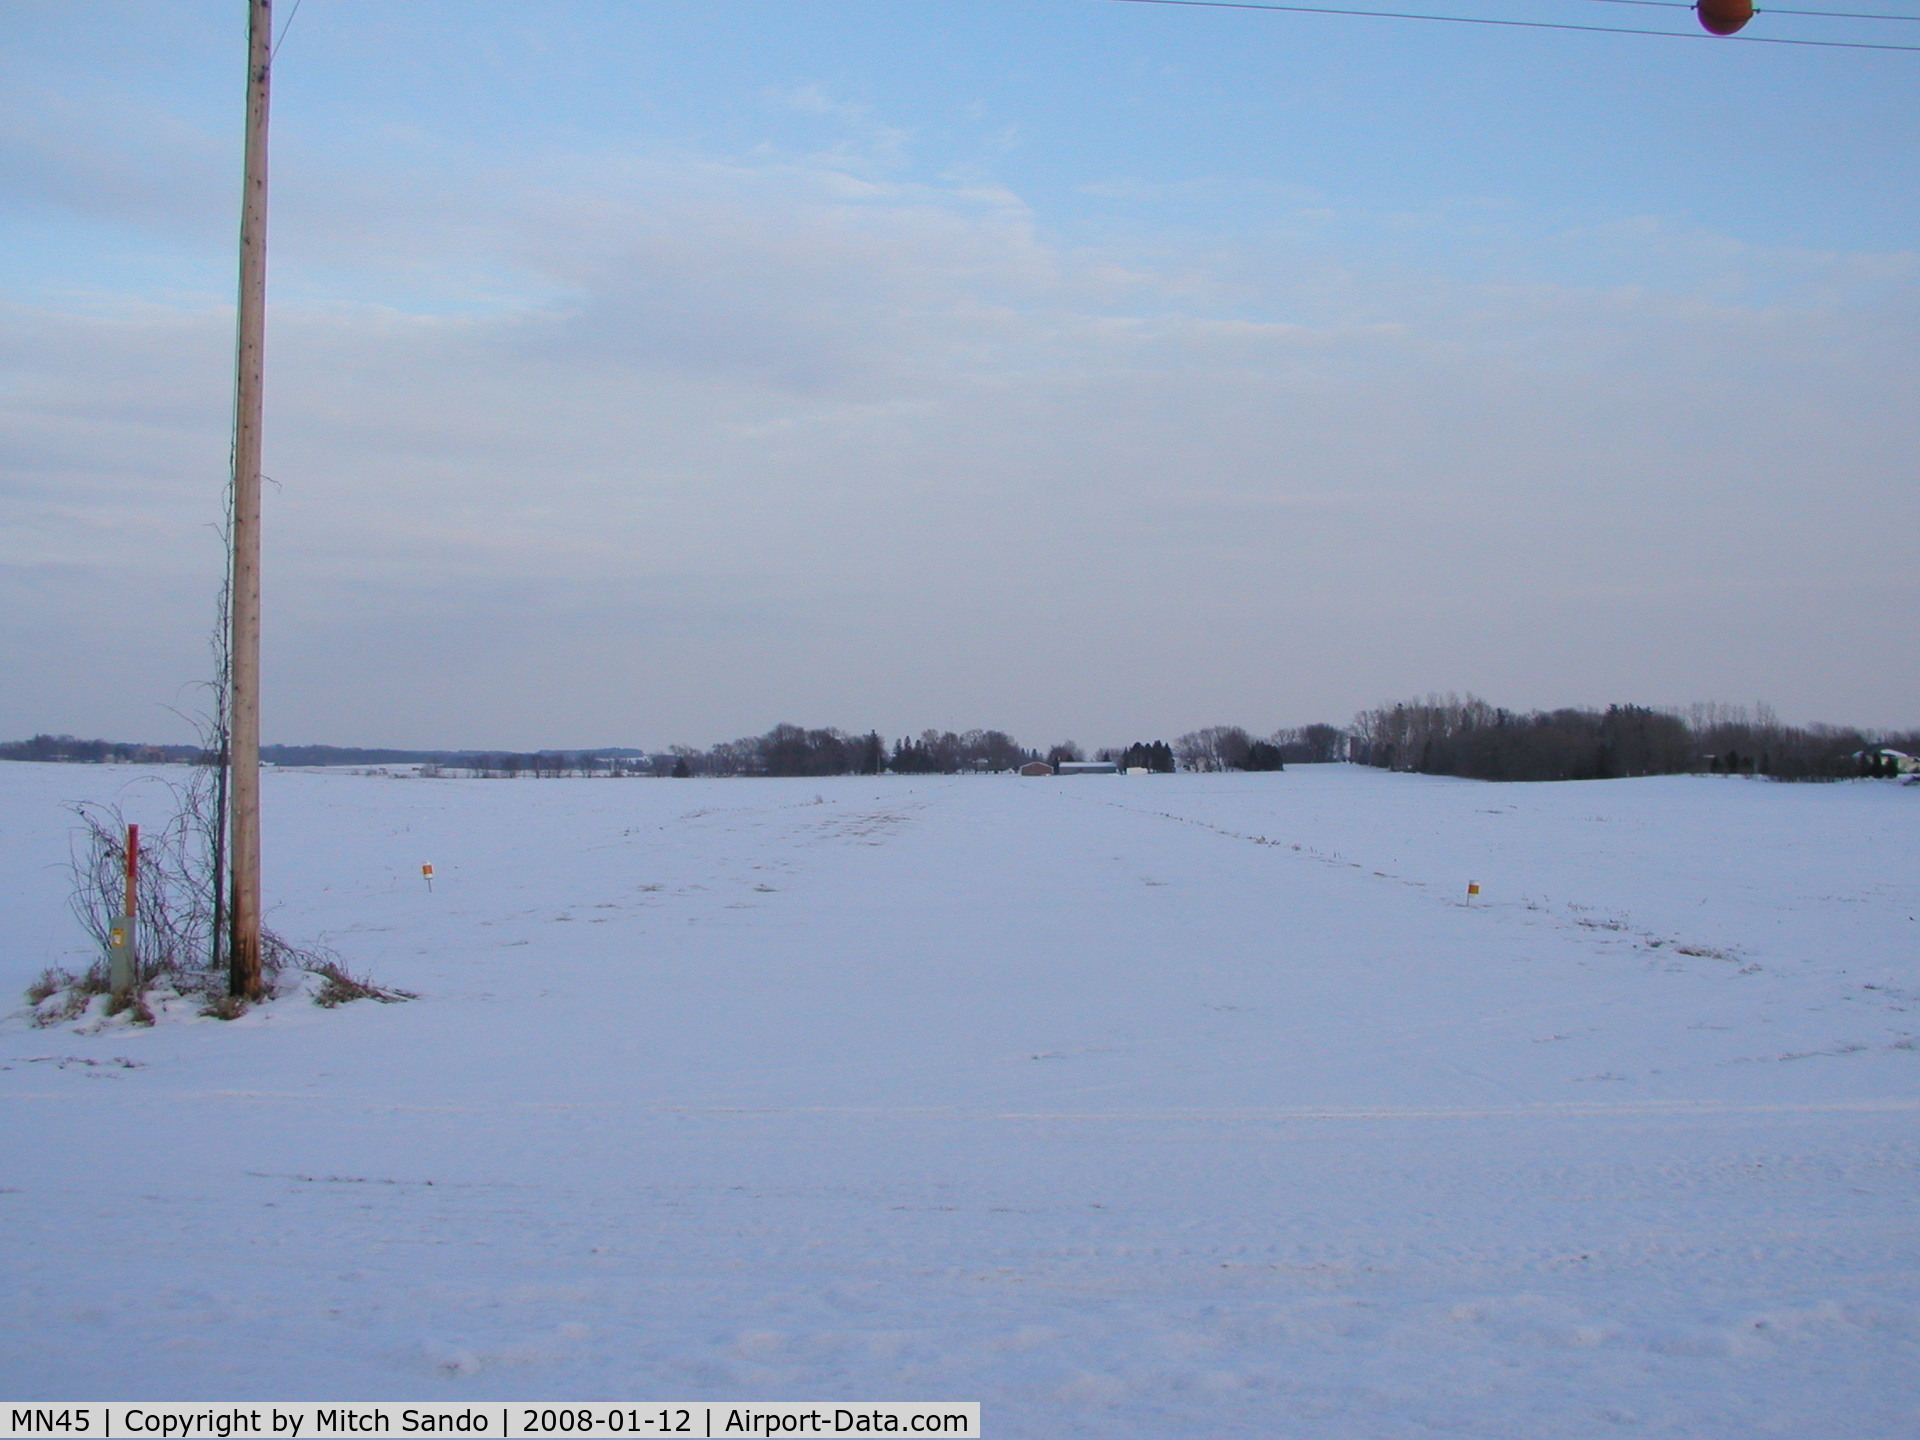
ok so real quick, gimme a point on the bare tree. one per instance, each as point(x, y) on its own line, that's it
point(1218, 747)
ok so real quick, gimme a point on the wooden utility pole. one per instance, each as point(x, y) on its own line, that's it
point(243, 683)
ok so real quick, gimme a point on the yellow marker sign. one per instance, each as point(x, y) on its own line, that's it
point(1473, 887)
point(427, 870)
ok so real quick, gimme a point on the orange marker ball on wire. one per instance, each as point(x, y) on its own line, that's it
point(1723, 17)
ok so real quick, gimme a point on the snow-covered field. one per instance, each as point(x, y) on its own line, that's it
point(1128, 1106)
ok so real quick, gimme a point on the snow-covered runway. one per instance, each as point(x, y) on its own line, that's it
point(1188, 1105)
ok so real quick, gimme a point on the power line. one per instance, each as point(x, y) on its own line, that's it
point(1521, 24)
point(283, 31)
point(1829, 15)
point(1768, 10)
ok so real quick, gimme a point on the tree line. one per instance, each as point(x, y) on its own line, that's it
point(791, 750)
point(1437, 735)
point(70, 750)
point(1467, 736)
point(1228, 747)
point(785, 750)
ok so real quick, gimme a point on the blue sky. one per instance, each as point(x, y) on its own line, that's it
point(653, 372)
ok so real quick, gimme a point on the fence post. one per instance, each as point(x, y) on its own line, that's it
point(121, 958)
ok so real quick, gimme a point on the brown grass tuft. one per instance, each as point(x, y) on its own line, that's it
point(224, 1007)
point(340, 987)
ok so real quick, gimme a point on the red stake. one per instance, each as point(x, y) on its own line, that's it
point(133, 869)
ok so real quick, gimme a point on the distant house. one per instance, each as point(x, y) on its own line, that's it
point(1036, 767)
point(1089, 767)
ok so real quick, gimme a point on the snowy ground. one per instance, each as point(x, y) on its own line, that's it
point(1128, 1106)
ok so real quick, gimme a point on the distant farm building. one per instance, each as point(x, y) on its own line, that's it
point(1036, 767)
point(1089, 767)
point(1885, 760)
